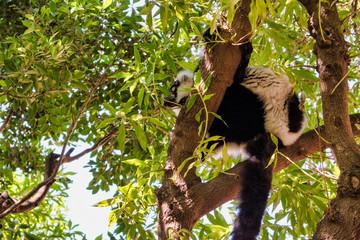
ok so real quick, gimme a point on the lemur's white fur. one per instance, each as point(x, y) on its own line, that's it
point(233, 149)
point(273, 90)
point(185, 77)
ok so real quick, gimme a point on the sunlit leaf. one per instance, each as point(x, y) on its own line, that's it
point(136, 162)
point(107, 3)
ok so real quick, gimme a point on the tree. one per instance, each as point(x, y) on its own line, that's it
point(96, 72)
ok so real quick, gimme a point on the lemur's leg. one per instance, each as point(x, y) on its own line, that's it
point(256, 178)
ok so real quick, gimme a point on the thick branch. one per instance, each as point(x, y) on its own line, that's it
point(226, 187)
point(8, 205)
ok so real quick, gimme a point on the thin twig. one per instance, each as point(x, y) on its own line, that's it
point(350, 15)
point(93, 148)
point(7, 119)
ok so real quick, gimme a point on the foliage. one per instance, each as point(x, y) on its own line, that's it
point(45, 222)
point(109, 64)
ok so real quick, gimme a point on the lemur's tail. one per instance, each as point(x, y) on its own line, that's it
point(256, 180)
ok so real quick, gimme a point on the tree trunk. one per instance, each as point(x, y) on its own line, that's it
point(342, 219)
point(181, 198)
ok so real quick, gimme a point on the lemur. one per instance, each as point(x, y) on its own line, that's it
point(258, 102)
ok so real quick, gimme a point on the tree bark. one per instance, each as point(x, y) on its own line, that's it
point(342, 219)
point(176, 205)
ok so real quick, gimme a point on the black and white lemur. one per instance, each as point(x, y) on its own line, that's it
point(258, 102)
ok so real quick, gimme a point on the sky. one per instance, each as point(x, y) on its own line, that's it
point(92, 221)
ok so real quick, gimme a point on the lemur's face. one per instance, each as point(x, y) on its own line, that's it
point(178, 93)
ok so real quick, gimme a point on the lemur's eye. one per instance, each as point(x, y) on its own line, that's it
point(173, 89)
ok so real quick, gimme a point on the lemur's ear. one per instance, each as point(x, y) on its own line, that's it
point(185, 76)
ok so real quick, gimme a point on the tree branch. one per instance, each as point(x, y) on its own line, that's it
point(37, 194)
point(104, 140)
point(39, 191)
point(7, 119)
point(226, 187)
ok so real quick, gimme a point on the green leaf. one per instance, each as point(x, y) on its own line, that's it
point(149, 20)
point(159, 76)
point(198, 115)
point(197, 79)
point(219, 117)
point(121, 137)
point(129, 105)
point(106, 122)
point(141, 96)
point(170, 62)
point(187, 65)
point(107, 3)
point(27, 24)
point(225, 155)
point(196, 30)
point(208, 96)
point(164, 17)
point(146, 9)
point(140, 135)
point(55, 121)
point(320, 202)
point(179, 14)
point(274, 139)
point(157, 122)
point(24, 226)
point(180, 168)
point(10, 65)
point(125, 75)
point(220, 219)
point(53, 7)
point(29, 16)
point(137, 58)
point(136, 162)
point(231, 11)
point(106, 203)
point(191, 102)
point(207, 82)
point(79, 85)
point(176, 37)
point(211, 218)
point(110, 108)
point(31, 236)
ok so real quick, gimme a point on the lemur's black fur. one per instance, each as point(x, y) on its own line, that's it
point(258, 102)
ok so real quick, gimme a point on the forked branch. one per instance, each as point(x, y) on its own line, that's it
point(33, 199)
